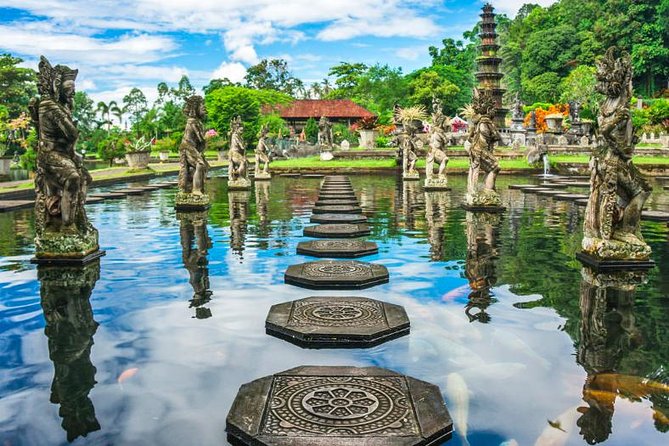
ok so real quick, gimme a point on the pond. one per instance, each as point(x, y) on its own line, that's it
point(151, 345)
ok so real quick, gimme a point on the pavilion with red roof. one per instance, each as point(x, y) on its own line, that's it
point(342, 111)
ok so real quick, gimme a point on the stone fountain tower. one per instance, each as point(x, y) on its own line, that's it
point(489, 75)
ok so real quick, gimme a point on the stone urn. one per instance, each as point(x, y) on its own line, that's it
point(554, 123)
point(164, 156)
point(367, 138)
point(138, 160)
point(5, 164)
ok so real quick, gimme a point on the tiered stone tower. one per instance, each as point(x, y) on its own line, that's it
point(489, 75)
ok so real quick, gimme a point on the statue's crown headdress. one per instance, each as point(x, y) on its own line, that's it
point(483, 102)
point(50, 79)
point(614, 72)
point(192, 104)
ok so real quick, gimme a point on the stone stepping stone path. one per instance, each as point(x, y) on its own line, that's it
point(337, 231)
point(336, 275)
point(338, 218)
point(13, 205)
point(520, 186)
point(549, 192)
point(554, 186)
point(324, 199)
point(337, 209)
point(576, 184)
point(337, 322)
point(654, 215)
point(337, 248)
point(570, 197)
point(338, 406)
point(109, 195)
point(536, 190)
point(349, 202)
point(130, 191)
point(93, 200)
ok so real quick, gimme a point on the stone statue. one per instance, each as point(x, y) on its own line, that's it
point(575, 111)
point(437, 151)
point(480, 269)
point(238, 203)
point(195, 245)
point(483, 136)
point(618, 191)
point(65, 293)
point(238, 168)
point(409, 152)
point(325, 133)
point(193, 166)
point(262, 156)
point(436, 213)
point(264, 227)
point(62, 229)
point(533, 120)
point(518, 113)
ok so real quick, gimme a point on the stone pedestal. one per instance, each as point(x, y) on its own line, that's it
point(436, 184)
point(59, 248)
point(408, 176)
point(367, 138)
point(262, 176)
point(483, 200)
point(138, 160)
point(191, 202)
point(239, 184)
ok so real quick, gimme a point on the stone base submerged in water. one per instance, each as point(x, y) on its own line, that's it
point(338, 406)
point(336, 275)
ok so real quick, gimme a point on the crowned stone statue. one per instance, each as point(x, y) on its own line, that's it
point(325, 139)
point(238, 178)
point(63, 233)
point(437, 149)
point(618, 190)
point(193, 165)
point(262, 156)
point(483, 136)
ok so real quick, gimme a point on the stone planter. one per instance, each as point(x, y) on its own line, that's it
point(164, 156)
point(367, 138)
point(554, 123)
point(138, 160)
point(5, 164)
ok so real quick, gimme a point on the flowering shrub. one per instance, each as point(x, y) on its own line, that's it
point(542, 113)
point(386, 130)
point(211, 133)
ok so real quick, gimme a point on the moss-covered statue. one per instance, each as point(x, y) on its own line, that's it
point(238, 177)
point(325, 139)
point(262, 156)
point(193, 165)
point(618, 191)
point(483, 136)
point(62, 230)
point(412, 120)
point(437, 151)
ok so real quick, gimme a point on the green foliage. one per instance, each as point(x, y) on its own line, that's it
point(112, 146)
point(341, 132)
point(544, 87)
point(217, 144)
point(17, 85)
point(382, 141)
point(136, 104)
point(311, 130)
point(579, 85)
point(428, 85)
point(167, 144)
point(275, 123)
point(28, 160)
point(273, 74)
point(658, 112)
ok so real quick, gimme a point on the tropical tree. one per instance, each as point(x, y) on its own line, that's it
point(17, 85)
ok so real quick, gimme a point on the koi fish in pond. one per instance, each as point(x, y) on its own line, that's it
point(127, 374)
point(458, 394)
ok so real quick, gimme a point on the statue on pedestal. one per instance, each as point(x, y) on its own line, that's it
point(238, 168)
point(437, 151)
point(618, 190)
point(195, 244)
point(325, 139)
point(238, 203)
point(483, 136)
point(69, 327)
point(412, 120)
point(480, 269)
point(62, 230)
point(192, 164)
point(436, 212)
point(262, 156)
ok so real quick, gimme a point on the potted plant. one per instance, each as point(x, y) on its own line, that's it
point(138, 154)
point(367, 129)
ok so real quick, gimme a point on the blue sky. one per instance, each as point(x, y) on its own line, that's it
point(120, 44)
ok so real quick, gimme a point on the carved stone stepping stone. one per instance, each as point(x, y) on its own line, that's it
point(336, 189)
point(313, 175)
point(337, 248)
point(521, 186)
point(338, 406)
point(535, 190)
point(349, 202)
point(337, 231)
point(570, 197)
point(336, 275)
point(549, 192)
point(163, 185)
point(654, 215)
point(13, 205)
point(335, 185)
point(93, 200)
point(554, 186)
point(338, 218)
point(337, 209)
point(337, 322)
point(129, 191)
point(576, 184)
point(289, 175)
point(109, 195)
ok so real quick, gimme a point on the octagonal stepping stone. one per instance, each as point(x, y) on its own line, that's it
point(337, 248)
point(13, 205)
point(576, 183)
point(93, 200)
point(536, 190)
point(109, 195)
point(337, 322)
point(549, 192)
point(336, 275)
point(338, 406)
point(570, 197)
point(129, 191)
point(654, 215)
point(349, 202)
point(583, 202)
point(338, 218)
point(520, 186)
point(337, 209)
point(337, 231)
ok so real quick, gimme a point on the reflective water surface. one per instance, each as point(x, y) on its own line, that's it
point(150, 345)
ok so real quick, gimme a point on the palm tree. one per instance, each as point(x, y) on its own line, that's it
point(117, 111)
point(327, 87)
point(105, 110)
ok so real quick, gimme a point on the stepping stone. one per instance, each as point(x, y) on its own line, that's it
point(554, 186)
point(349, 202)
point(336, 275)
point(337, 195)
point(338, 406)
point(163, 185)
point(12, 205)
point(149, 188)
point(666, 187)
point(289, 175)
point(129, 191)
point(337, 248)
point(337, 231)
point(576, 184)
point(337, 209)
point(338, 218)
point(520, 186)
point(313, 175)
point(570, 197)
point(92, 200)
point(654, 215)
point(337, 322)
point(109, 195)
point(536, 190)
point(336, 189)
point(582, 202)
point(549, 192)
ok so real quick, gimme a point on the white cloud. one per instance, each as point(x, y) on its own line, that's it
point(511, 7)
point(234, 71)
point(345, 29)
point(410, 52)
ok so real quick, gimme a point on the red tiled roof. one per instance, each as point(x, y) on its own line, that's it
point(330, 108)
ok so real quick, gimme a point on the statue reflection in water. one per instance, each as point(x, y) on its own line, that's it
point(262, 205)
point(482, 234)
point(436, 211)
point(65, 292)
point(195, 245)
point(410, 203)
point(238, 202)
point(608, 333)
